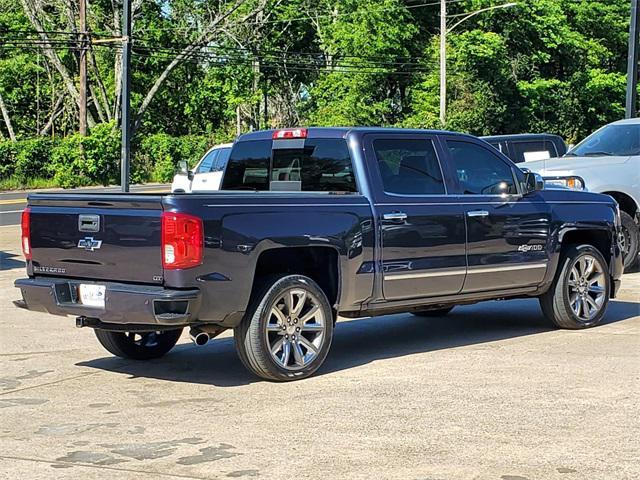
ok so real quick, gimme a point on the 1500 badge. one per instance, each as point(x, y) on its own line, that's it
point(529, 248)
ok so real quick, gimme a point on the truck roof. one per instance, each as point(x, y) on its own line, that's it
point(520, 136)
point(341, 132)
point(627, 121)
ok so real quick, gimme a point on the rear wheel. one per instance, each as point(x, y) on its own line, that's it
point(287, 331)
point(579, 295)
point(436, 312)
point(629, 238)
point(138, 345)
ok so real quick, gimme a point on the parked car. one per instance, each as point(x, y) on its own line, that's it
point(607, 161)
point(527, 147)
point(312, 224)
point(207, 174)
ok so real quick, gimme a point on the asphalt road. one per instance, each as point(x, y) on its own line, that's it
point(488, 393)
point(12, 203)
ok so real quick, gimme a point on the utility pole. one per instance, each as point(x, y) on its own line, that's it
point(632, 61)
point(125, 155)
point(443, 46)
point(265, 95)
point(82, 107)
point(443, 61)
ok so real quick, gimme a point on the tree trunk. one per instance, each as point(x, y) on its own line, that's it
point(53, 57)
point(7, 119)
point(101, 88)
point(55, 113)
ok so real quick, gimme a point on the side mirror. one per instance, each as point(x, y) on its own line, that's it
point(533, 182)
point(183, 169)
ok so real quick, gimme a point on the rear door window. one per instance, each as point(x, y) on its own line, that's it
point(409, 166)
point(208, 162)
point(223, 158)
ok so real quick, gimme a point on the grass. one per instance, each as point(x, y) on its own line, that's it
point(13, 183)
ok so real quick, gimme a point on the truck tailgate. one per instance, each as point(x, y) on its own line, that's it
point(101, 237)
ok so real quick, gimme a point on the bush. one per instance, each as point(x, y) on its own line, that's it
point(32, 158)
point(8, 151)
point(89, 160)
point(95, 159)
point(160, 154)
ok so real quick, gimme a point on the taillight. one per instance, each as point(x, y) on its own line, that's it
point(26, 233)
point(289, 133)
point(182, 241)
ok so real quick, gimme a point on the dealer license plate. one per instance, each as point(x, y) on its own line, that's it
point(91, 295)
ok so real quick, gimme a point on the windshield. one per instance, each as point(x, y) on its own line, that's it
point(622, 140)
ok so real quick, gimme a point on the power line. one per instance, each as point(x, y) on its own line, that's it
point(327, 15)
point(222, 53)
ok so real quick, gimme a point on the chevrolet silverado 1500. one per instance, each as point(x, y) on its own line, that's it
point(315, 223)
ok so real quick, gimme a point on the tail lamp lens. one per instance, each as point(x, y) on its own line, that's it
point(182, 241)
point(26, 233)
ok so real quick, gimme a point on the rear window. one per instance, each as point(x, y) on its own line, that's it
point(319, 165)
point(533, 150)
point(248, 167)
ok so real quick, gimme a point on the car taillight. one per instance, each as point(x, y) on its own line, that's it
point(26, 233)
point(182, 241)
point(289, 133)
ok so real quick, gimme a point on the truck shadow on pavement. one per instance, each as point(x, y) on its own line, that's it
point(362, 341)
point(9, 261)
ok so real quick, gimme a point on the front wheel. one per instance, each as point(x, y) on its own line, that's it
point(138, 345)
point(287, 331)
point(579, 295)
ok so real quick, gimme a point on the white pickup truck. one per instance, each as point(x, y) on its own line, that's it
point(607, 161)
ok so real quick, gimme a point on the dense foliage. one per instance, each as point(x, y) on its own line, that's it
point(204, 68)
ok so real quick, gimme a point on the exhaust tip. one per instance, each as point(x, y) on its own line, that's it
point(200, 338)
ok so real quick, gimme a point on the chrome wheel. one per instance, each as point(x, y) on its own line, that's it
point(586, 287)
point(624, 240)
point(295, 329)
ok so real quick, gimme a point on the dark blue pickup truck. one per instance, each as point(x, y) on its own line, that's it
point(312, 224)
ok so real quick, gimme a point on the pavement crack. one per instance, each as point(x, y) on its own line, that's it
point(105, 467)
point(31, 387)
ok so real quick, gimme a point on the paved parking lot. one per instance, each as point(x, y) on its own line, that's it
point(490, 392)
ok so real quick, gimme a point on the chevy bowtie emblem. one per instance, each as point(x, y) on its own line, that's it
point(88, 243)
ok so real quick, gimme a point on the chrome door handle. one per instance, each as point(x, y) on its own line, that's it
point(478, 213)
point(396, 217)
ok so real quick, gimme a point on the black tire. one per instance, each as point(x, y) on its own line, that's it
point(631, 237)
point(138, 346)
point(252, 338)
point(437, 312)
point(556, 302)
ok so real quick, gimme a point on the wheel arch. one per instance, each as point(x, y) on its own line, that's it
point(320, 263)
point(626, 202)
point(599, 238)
